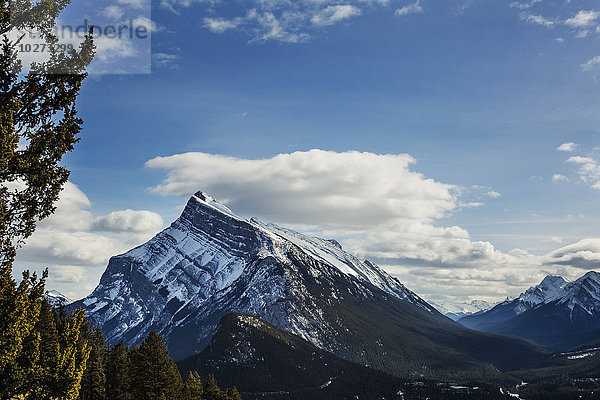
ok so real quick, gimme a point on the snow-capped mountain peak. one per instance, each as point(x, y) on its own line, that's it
point(584, 292)
point(550, 287)
point(211, 261)
point(209, 201)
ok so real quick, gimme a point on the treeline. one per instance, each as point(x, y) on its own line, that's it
point(52, 353)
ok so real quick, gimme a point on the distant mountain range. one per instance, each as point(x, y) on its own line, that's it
point(458, 310)
point(210, 262)
point(556, 314)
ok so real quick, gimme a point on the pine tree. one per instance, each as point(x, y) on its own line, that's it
point(155, 376)
point(211, 390)
point(62, 355)
point(19, 310)
point(233, 394)
point(93, 383)
point(118, 374)
point(193, 387)
point(74, 353)
point(44, 385)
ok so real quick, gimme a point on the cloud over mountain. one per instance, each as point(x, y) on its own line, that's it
point(377, 205)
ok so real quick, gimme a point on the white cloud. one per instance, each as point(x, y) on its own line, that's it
point(220, 25)
point(146, 23)
point(76, 245)
point(567, 147)
point(493, 194)
point(591, 64)
point(334, 14)
point(270, 27)
point(164, 60)
point(583, 19)
point(580, 25)
point(526, 5)
point(589, 170)
point(414, 8)
point(114, 12)
point(559, 178)
point(581, 160)
point(129, 221)
point(584, 254)
point(281, 20)
point(113, 49)
point(336, 184)
point(536, 19)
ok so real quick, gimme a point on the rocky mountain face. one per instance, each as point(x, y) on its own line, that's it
point(558, 314)
point(210, 262)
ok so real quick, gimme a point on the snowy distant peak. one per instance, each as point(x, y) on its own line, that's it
point(458, 310)
point(584, 292)
point(550, 287)
point(553, 281)
point(55, 297)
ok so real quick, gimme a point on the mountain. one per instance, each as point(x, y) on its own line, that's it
point(567, 316)
point(56, 298)
point(265, 362)
point(549, 287)
point(456, 311)
point(210, 262)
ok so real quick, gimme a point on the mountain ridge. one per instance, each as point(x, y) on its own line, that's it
point(557, 314)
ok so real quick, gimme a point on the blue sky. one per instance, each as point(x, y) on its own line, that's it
point(479, 93)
